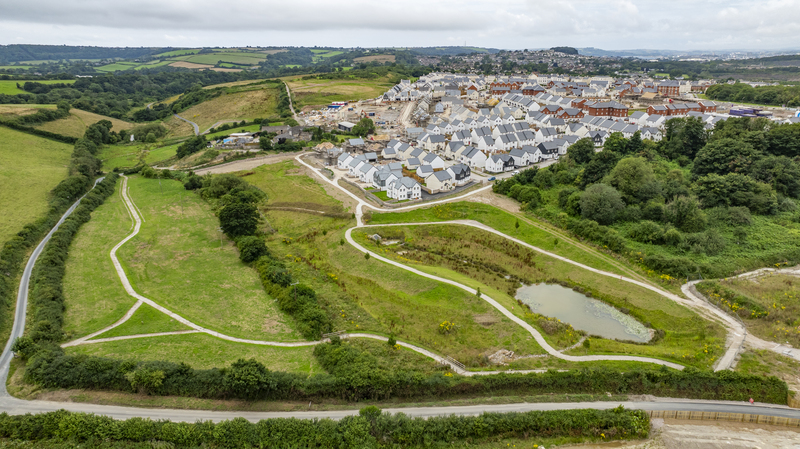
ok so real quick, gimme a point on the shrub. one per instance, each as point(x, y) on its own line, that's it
point(251, 248)
point(646, 232)
point(601, 203)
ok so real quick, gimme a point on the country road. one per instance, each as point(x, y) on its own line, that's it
point(194, 125)
point(22, 297)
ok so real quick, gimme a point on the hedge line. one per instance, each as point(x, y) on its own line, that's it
point(47, 298)
point(369, 429)
point(39, 132)
point(355, 380)
point(14, 251)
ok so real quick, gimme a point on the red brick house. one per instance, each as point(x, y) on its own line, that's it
point(607, 109)
point(670, 88)
point(708, 106)
point(571, 113)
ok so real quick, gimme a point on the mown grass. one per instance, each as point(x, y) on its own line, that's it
point(482, 260)
point(202, 351)
point(94, 294)
point(368, 295)
point(129, 155)
point(234, 57)
point(31, 167)
point(9, 87)
point(779, 294)
point(146, 320)
point(181, 260)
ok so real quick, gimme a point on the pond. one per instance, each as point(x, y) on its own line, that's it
point(582, 312)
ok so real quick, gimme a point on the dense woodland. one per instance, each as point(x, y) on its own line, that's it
point(697, 203)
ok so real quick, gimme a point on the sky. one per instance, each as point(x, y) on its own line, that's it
point(510, 24)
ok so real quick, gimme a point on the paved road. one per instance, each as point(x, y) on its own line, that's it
point(194, 125)
point(22, 298)
point(16, 406)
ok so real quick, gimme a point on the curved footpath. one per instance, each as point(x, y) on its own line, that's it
point(16, 406)
point(737, 333)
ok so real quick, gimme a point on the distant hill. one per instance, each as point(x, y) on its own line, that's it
point(450, 51)
point(24, 52)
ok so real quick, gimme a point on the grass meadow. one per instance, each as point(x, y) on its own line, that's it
point(482, 260)
point(369, 295)
point(31, 167)
point(202, 351)
point(180, 260)
point(779, 294)
point(248, 105)
point(9, 87)
point(319, 92)
point(94, 294)
point(146, 320)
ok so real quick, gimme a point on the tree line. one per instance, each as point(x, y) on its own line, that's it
point(669, 193)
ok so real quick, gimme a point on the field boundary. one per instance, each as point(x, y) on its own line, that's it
point(723, 416)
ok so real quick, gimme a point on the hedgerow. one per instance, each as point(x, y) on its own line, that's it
point(369, 429)
point(356, 376)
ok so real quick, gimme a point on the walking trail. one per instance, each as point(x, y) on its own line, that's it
point(455, 366)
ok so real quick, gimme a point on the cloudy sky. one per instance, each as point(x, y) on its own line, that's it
point(510, 24)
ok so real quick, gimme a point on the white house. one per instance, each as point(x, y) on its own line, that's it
point(423, 171)
point(404, 188)
point(382, 178)
point(473, 157)
point(366, 172)
point(433, 160)
point(343, 162)
point(498, 163)
point(461, 173)
point(520, 156)
point(534, 153)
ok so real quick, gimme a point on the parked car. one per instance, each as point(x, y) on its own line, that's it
point(492, 178)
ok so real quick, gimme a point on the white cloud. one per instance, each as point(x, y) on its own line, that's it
point(612, 24)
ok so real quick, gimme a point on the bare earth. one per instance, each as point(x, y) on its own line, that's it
point(678, 434)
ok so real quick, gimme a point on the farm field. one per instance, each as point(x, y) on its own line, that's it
point(32, 166)
point(376, 58)
point(177, 261)
point(237, 106)
point(188, 51)
point(75, 125)
point(320, 55)
point(9, 87)
point(319, 92)
point(10, 111)
point(233, 57)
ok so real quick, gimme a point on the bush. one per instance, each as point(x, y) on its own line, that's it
point(601, 203)
point(646, 232)
point(251, 248)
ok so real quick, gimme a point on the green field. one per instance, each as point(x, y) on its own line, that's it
point(150, 65)
point(318, 92)
point(31, 167)
point(188, 51)
point(320, 55)
point(243, 105)
point(177, 261)
point(234, 57)
point(497, 267)
point(146, 320)
point(203, 351)
point(94, 294)
point(9, 87)
point(368, 295)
